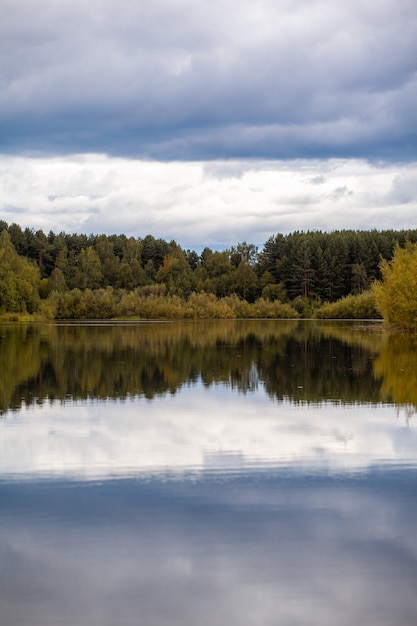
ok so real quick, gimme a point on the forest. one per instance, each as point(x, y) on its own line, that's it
point(301, 274)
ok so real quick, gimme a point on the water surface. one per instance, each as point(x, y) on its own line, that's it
point(230, 472)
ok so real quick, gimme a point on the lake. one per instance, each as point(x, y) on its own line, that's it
point(208, 473)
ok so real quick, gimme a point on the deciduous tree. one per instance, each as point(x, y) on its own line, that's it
point(396, 294)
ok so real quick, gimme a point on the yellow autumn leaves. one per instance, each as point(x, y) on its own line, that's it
point(396, 294)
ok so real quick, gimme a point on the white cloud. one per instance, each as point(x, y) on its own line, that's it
point(216, 203)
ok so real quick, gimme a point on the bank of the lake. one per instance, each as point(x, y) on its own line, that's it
point(120, 304)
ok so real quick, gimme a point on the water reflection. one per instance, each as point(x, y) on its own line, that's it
point(271, 550)
point(207, 473)
point(396, 367)
point(160, 399)
point(302, 361)
point(202, 431)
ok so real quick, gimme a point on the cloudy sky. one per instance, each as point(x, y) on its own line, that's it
point(208, 122)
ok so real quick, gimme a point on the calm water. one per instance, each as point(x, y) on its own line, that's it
point(211, 473)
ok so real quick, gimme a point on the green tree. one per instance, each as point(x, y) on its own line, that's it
point(132, 251)
point(336, 255)
point(18, 238)
point(56, 281)
point(245, 281)
point(155, 250)
point(274, 257)
point(219, 272)
point(302, 271)
point(359, 278)
point(89, 275)
point(176, 273)
point(109, 261)
point(192, 259)
point(246, 252)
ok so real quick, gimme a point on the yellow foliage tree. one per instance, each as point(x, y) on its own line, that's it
point(396, 294)
point(19, 280)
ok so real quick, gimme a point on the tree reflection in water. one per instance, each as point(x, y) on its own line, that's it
point(396, 367)
point(303, 361)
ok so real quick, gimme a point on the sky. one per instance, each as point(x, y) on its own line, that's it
point(208, 122)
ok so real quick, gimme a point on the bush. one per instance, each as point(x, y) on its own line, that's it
point(361, 306)
point(305, 307)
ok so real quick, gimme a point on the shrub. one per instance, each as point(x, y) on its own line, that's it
point(361, 306)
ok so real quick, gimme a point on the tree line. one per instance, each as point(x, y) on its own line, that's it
point(73, 275)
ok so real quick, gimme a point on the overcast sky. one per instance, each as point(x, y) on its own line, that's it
point(208, 122)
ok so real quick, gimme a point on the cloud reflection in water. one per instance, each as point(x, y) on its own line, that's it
point(202, 430)
point(266, 549)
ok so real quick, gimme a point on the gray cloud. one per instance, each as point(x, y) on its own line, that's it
point(404, 189)
point(197, 80)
